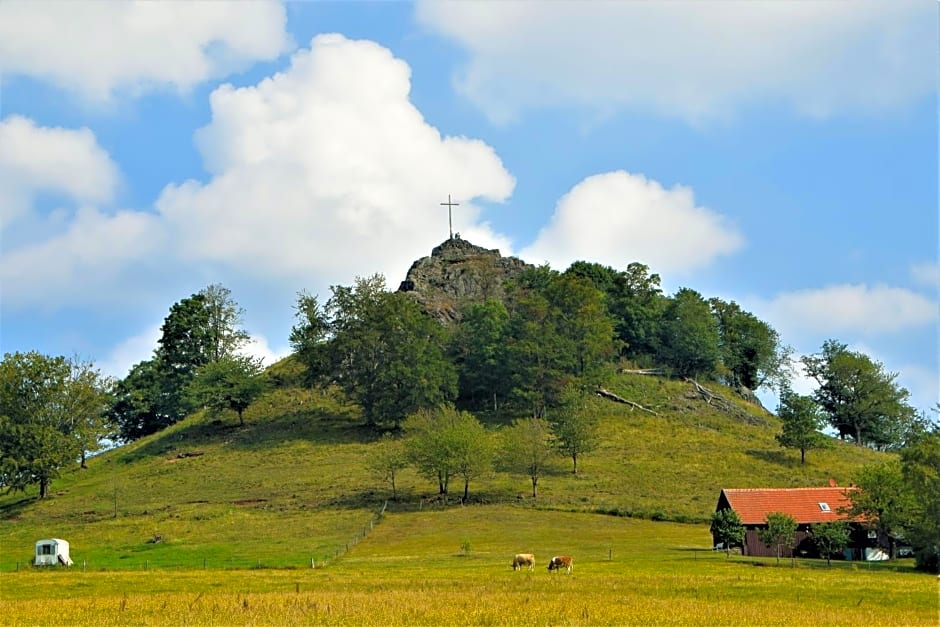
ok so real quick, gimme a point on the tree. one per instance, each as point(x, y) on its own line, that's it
point(387, 459)
point(581, 317)
point(574, 426)
point(780, 531)
point(231, 382)
point(527, 448)
point(386, 353)
point(920, 468)
point(88, 397)
point(860, 399)
point(477, 348)
point(308, 337)
point(750, 348)
point(198, 330)
point(883, 500)
point(445, 442)
point(727, 529)
point(801, 423)
point(830, 538)
point(225, 335)
point(49, 417)
point(139, 406)
point(689, 338)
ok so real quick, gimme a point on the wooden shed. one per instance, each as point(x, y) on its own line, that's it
point(807, 506)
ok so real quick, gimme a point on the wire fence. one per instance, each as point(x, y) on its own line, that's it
point(235, 562)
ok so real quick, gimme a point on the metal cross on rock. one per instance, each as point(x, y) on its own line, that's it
point(450, 219)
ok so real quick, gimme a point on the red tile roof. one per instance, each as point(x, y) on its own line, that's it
point(802, 504)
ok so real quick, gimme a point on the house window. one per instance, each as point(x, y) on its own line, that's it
point(824, 507)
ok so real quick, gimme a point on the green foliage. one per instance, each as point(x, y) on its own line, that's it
point(884, 500)
point(199, 330)
point(52, 412)
point(308, 337)
point(830, 538)
point(780, 531)
point(634, 301)
point(527, 448)
point(920, 468)
point(861, 400)
point(387, 460)
point(801, 423)
point(477, 348)
point(231, 382)
point(689, 337)
point(575, 428)
point(445, 442)
point(727, 529)
point(386, 353)
point(750, 348)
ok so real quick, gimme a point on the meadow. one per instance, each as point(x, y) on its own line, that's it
point(214, 523)
point(452, 567)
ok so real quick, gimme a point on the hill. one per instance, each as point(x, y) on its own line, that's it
point(292, 484)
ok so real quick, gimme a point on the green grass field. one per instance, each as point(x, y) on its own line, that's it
point(212, 523)
point(413, 570)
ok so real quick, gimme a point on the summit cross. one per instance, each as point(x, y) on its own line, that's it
point(450, 219)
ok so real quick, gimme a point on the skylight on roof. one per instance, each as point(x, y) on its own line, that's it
point(824, 507)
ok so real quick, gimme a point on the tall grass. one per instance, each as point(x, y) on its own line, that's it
point(411, 571)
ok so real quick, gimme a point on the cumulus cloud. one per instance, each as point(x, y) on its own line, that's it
point(259, 348)
point(36, 159)
point(607, 214)
point(320, 173)
point(694, 60)
point(848, 308)
point(131, 351)
point(90, 263)
point(98, 48)
point(328, 169)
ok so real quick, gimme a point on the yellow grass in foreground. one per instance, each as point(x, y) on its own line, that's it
point(410, 571)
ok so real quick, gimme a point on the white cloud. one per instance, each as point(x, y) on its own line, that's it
point(694, 60)
point(927, 274)
point(35, 159)
point(607, 216)
point(131, 351)
point(327, 169)
point(99, 48)
point(323, 172)
point(258, 347)
point(90, 263)
point(837, 309)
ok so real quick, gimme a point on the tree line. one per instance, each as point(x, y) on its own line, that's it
point(554, 336)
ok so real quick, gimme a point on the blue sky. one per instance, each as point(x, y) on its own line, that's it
point(783, 155)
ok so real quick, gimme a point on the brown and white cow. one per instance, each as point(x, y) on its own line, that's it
point(560, 561)
point(523, 559)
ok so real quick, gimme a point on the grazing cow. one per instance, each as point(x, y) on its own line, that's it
point(523, 559)
point(560, 561)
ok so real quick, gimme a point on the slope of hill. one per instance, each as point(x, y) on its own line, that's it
point(292, 484)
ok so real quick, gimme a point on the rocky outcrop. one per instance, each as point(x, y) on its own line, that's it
point(458, 273)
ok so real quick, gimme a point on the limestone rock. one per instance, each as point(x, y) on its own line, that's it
point(456, 274)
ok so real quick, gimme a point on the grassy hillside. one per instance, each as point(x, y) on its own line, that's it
point(291, 485)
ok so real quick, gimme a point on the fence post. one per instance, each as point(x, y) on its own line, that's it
point(84, 564)
point(311, 563)
point(17, 567)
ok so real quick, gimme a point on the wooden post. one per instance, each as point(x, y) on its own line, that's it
point(610, 555)
point(311, 563)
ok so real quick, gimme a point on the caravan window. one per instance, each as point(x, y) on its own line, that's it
point(44, 549)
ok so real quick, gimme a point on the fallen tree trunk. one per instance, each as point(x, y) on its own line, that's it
point(619, 399)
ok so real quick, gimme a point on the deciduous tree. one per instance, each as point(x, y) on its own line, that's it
point(727, 529)
point(861, 400)
point(574, 426)
point(884, 500)
point(231, 382)
point(527, 448)
point(801, 423)
point(387, 459)
point(689, 338)
point(830, 538)
point(780, 531)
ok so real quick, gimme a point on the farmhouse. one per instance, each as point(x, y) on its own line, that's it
point(807, 506)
